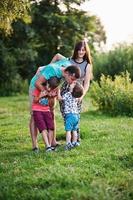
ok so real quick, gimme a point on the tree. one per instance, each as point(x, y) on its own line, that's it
point(114, 62)
point(12, 10)
point(59, 24)
point(55, 27)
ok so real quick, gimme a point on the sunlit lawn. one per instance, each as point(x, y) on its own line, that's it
point(100, 169)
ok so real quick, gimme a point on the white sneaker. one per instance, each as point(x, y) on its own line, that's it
point(69, 146)
point(75, 144)
point(48, 149)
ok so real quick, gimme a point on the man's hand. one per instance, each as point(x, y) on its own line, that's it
point(52, 93)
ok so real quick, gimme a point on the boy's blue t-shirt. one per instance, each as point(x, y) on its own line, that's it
point(50, 70)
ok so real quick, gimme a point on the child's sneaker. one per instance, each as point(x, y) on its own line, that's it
point(48, 149)
point(53, 148)
point(69, 146)
point(76, 144)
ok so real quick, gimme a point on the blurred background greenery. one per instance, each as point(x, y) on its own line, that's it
point(32, 32)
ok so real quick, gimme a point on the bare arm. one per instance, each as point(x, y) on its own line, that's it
point(39, 83)
point(35, 99)
point(42, 94)
point(57, 57)
point(59, 97)
point(87, 79)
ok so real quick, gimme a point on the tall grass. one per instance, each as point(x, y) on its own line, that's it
point(100, 169)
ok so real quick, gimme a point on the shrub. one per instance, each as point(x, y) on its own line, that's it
point(14, 86)
point(114, 62)
point(114, 96)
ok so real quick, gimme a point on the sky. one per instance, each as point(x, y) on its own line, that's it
point(116, 17)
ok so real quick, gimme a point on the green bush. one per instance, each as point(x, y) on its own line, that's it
point(114, 62)
point(14, 86)
point(114, 96)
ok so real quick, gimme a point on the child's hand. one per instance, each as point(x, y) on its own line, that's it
point(80, 99)
point(72, 85)
point(43, 94)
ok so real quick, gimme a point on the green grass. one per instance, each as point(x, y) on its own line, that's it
point(100, 169)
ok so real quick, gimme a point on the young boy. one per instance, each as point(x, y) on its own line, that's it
point(71, 112)
point(41, 113)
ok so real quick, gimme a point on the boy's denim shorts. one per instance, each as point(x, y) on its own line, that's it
point(71, 121)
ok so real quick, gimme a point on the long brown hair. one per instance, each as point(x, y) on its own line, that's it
point(87, 55)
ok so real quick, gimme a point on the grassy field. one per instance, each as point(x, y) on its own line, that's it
point(100, 169)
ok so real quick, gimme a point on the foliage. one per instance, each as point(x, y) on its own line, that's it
point(58, 28)
point(114, 62)
point(100, 169)
point(12, 10)
point(52, 29)
point(17, 60)
point(13, 86)
point(24, 51)
point(114, 97)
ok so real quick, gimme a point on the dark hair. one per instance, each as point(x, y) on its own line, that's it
point(77, 90)
point(53, 82)
point(87, 55)
point(73, 70)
